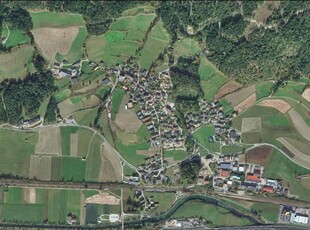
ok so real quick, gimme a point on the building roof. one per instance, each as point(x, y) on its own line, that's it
point(225, 173)
point(253, 178)
point(269, 189)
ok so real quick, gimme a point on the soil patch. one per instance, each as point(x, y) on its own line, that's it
point(103, 198)
point(278, 104)
point(300, 124)
point(239, 96)
point(251, 125)
point(259, 155)
point(111, 167)
point(126, 119)
point(74, 144)
point(55, 40)
point(227, 88)
point(246, 103)
point(150, 152)
point(40, 167)
point(29, 195)
point(49, 142)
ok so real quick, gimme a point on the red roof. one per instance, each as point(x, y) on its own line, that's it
point(225, 173)
point(253, 178)
point(268, 189)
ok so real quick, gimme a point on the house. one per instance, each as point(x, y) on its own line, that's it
point(32, 122)
point(224, 173)
point(268, 189)
point(248, 186)
point(71, 218)
point(106, 81)
point(299, 218)
point(252, 178)
point(225, 165)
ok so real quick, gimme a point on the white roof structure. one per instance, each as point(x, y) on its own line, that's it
point(113, 218)
point(299, 219)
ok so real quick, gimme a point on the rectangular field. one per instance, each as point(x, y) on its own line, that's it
point(49, 142)
point(51, 19)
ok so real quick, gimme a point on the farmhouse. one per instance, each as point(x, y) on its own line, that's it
point(32, 122)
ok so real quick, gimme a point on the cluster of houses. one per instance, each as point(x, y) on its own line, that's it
point(153, 170)
point(289, 214)
point(212, 113)
point(150, 94)
point(231, 175)
point(189, 223)
point(61, 70)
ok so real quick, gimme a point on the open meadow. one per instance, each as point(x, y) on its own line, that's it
point(301, 189)
point(155, 44)
point(211, 78)
point(202, 134)
point(186, 47)
point(121, 41)
point(16, 63)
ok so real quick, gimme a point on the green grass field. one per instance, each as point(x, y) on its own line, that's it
point(263, 89)
point(218, 216)
point(202, 134)
point(301, 189)
point(277, 163)
point(84, 137)
point(228, 109)
point(16, 148)
point(15, 195)
point(165, 201)
point(73, 169)
point(232, 149)
point(85, 117)
point(177, 155)
point(16, 63)
point(103, 122)
point(43, 106)
point(17, 37)
point(129, 152)
point(211, 78)
point(51, 19)
point(103, 91)
point(157, 41)
point(121, 41)
point(93, 159)
point(62, 95)
point(186, 47)
point(117, 97)
point(22, 212)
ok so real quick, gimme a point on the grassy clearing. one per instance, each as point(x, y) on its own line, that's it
point(51, 19)
point(231, 149)
point(139, 22)
point(104, 123)
point(93, 160)
point(117, 97)
point(186, 47)
point(16, 148)
point(301, 188)
point(202, 134)
point(103, 91)
point(157, 40)
point(211, 78)
point(16, 63)
point(263, 89)
point(127, 171)
point(17, 37)
point(218, 216)
point(277, 162)
point(43, 107)
point(85, 117)
point(63, 95)
point(177, 155)
point(129, 152)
